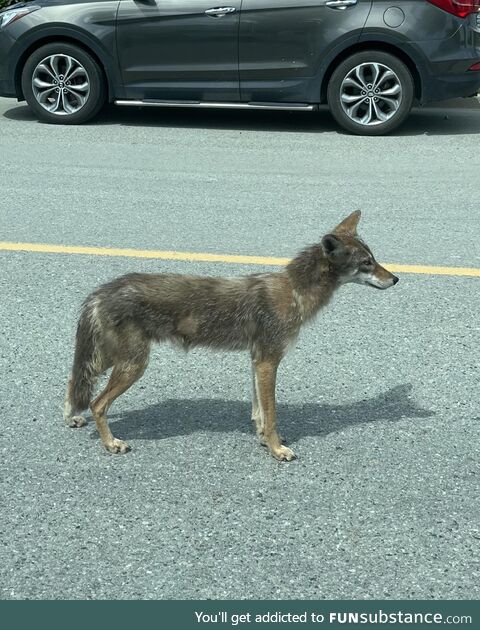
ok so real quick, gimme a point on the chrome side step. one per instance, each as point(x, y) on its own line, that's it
point(219, 105)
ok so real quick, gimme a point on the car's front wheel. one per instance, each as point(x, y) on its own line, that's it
point(370, 93)
point(63, 84)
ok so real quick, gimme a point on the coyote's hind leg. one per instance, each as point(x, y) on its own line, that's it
point(123, 376)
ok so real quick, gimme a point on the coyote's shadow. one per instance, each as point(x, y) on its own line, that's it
point(183, 417)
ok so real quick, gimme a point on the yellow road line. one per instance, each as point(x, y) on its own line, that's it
point(142, 253)
point(206, 257)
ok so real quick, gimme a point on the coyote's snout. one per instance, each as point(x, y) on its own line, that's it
point(260, 313)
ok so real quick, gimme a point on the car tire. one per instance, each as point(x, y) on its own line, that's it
point(63, 84)
point(370, 93)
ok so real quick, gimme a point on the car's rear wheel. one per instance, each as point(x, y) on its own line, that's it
point(371, 93)
point(63, 84)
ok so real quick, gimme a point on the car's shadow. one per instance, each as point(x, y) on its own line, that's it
point(449, 120)
point(184, 417)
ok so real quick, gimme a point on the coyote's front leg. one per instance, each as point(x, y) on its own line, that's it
point(265, 378)
point(256, 413)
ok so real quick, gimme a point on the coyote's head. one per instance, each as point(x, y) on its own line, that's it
point(351, 259)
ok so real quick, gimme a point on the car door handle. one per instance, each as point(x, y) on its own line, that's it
point(340, 5)
point(220, 11)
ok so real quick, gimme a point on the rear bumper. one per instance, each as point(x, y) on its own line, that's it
point(446, 71)
point(440, 88)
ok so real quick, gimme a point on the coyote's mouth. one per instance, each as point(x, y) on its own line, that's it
point(375, 286)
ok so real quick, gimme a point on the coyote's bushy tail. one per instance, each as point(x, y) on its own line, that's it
point(86, 362)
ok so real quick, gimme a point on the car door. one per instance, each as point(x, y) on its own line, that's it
point(179, 49)
point(285, 43)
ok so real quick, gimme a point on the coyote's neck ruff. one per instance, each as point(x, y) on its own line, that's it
point(261, 313)
point(313, 280)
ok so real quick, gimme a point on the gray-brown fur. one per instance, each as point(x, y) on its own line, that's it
point(260, 313)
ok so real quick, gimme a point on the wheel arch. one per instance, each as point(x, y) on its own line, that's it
point(68, 38)
point(373, 45)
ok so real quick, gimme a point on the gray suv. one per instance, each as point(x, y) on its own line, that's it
point(368, 59)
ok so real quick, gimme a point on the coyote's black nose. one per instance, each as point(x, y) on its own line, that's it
point(395, 279)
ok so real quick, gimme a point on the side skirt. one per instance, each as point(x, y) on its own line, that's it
point(212, 104)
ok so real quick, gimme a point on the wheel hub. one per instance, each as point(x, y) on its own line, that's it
point(371, 93)
point(61, 84)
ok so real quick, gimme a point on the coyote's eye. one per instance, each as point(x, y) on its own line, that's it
point(367, 263)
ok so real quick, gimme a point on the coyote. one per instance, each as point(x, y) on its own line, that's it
point(261, 313)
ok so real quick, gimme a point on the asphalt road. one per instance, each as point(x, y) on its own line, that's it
point(379, 398)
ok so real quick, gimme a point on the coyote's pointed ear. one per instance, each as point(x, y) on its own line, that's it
point(349, 225)
point(332, 245)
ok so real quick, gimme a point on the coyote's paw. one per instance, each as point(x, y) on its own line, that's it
point(117, 446)
point(263, 441)
point(283, 453)
point(76, 421)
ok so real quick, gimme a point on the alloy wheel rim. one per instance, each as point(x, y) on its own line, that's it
point(371, 94)
point(61, 84)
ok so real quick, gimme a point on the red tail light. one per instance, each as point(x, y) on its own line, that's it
point(460, 8)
